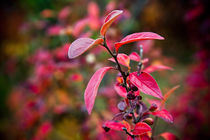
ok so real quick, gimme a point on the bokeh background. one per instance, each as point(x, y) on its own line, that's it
point(41, 90)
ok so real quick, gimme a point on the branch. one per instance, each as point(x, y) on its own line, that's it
point(124, 75)
point(128, 133)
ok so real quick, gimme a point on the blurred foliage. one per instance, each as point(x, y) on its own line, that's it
point(33, 46)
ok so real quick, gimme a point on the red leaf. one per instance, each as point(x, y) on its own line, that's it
point(141, 128)
point(145, 137)
point(168, 136)
point(122, 59)
point(146, 83)
point(127, 126)
point(164, 114)
point(120, 90)
point(109, 20)
point(137, 37)
point(92, 87)
point(153, 68)
point(136, 138)
point(80, 45)
point(115, 125)
point(134, 56)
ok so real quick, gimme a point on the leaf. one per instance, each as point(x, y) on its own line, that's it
point(153, 68)
point(92, 87)
point(135, 57)
point(80, 45)
point(145, 137)
point(168, 136)
point(115, 125)
point(141, 137)
point(109, 20)
point(164, 114)
point(135, 138)
point(145, 60)
point(122, 59)
point(167, 95)
point(127, 126)
point(141, 128)
point(120, 90)
point(146, 83)
point(137, 37)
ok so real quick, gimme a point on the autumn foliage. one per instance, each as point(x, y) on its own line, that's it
point(134, 116)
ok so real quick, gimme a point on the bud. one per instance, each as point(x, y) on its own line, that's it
point(153, 107)
point(127, 116)
point(131, 95)
point(121, 105)
point(106, 129)
point(139, 97)
point(149, 121)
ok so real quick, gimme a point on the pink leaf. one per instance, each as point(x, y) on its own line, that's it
point(134, 56)
point(80, 45)
point(146, 83)
point(92, 87)
point(79, 26)
point(64, 13)
point(122, 59)
point(109, 20)
point(145, 60)
point(137, 37)
point(153, 68)
point(115, 125)
point(164, 114)
point(120, 90)
point(54, 30)
point(168, 136)
point(141, 128)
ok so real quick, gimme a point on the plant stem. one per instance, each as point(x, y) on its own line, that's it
point(128, 133)
point(134, 118)
point(141, 57)
point(139, 68)
point(124, 75)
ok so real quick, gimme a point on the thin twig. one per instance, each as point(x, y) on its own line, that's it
point(126, 131)
point(124, 75)
point(140, 62)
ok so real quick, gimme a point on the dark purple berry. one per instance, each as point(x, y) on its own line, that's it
point(131, 95)
point(139, 97)
point(133, 87)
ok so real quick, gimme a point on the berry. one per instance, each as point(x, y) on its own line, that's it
point(153, 107)
point(133, 87)
point(131, 95)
